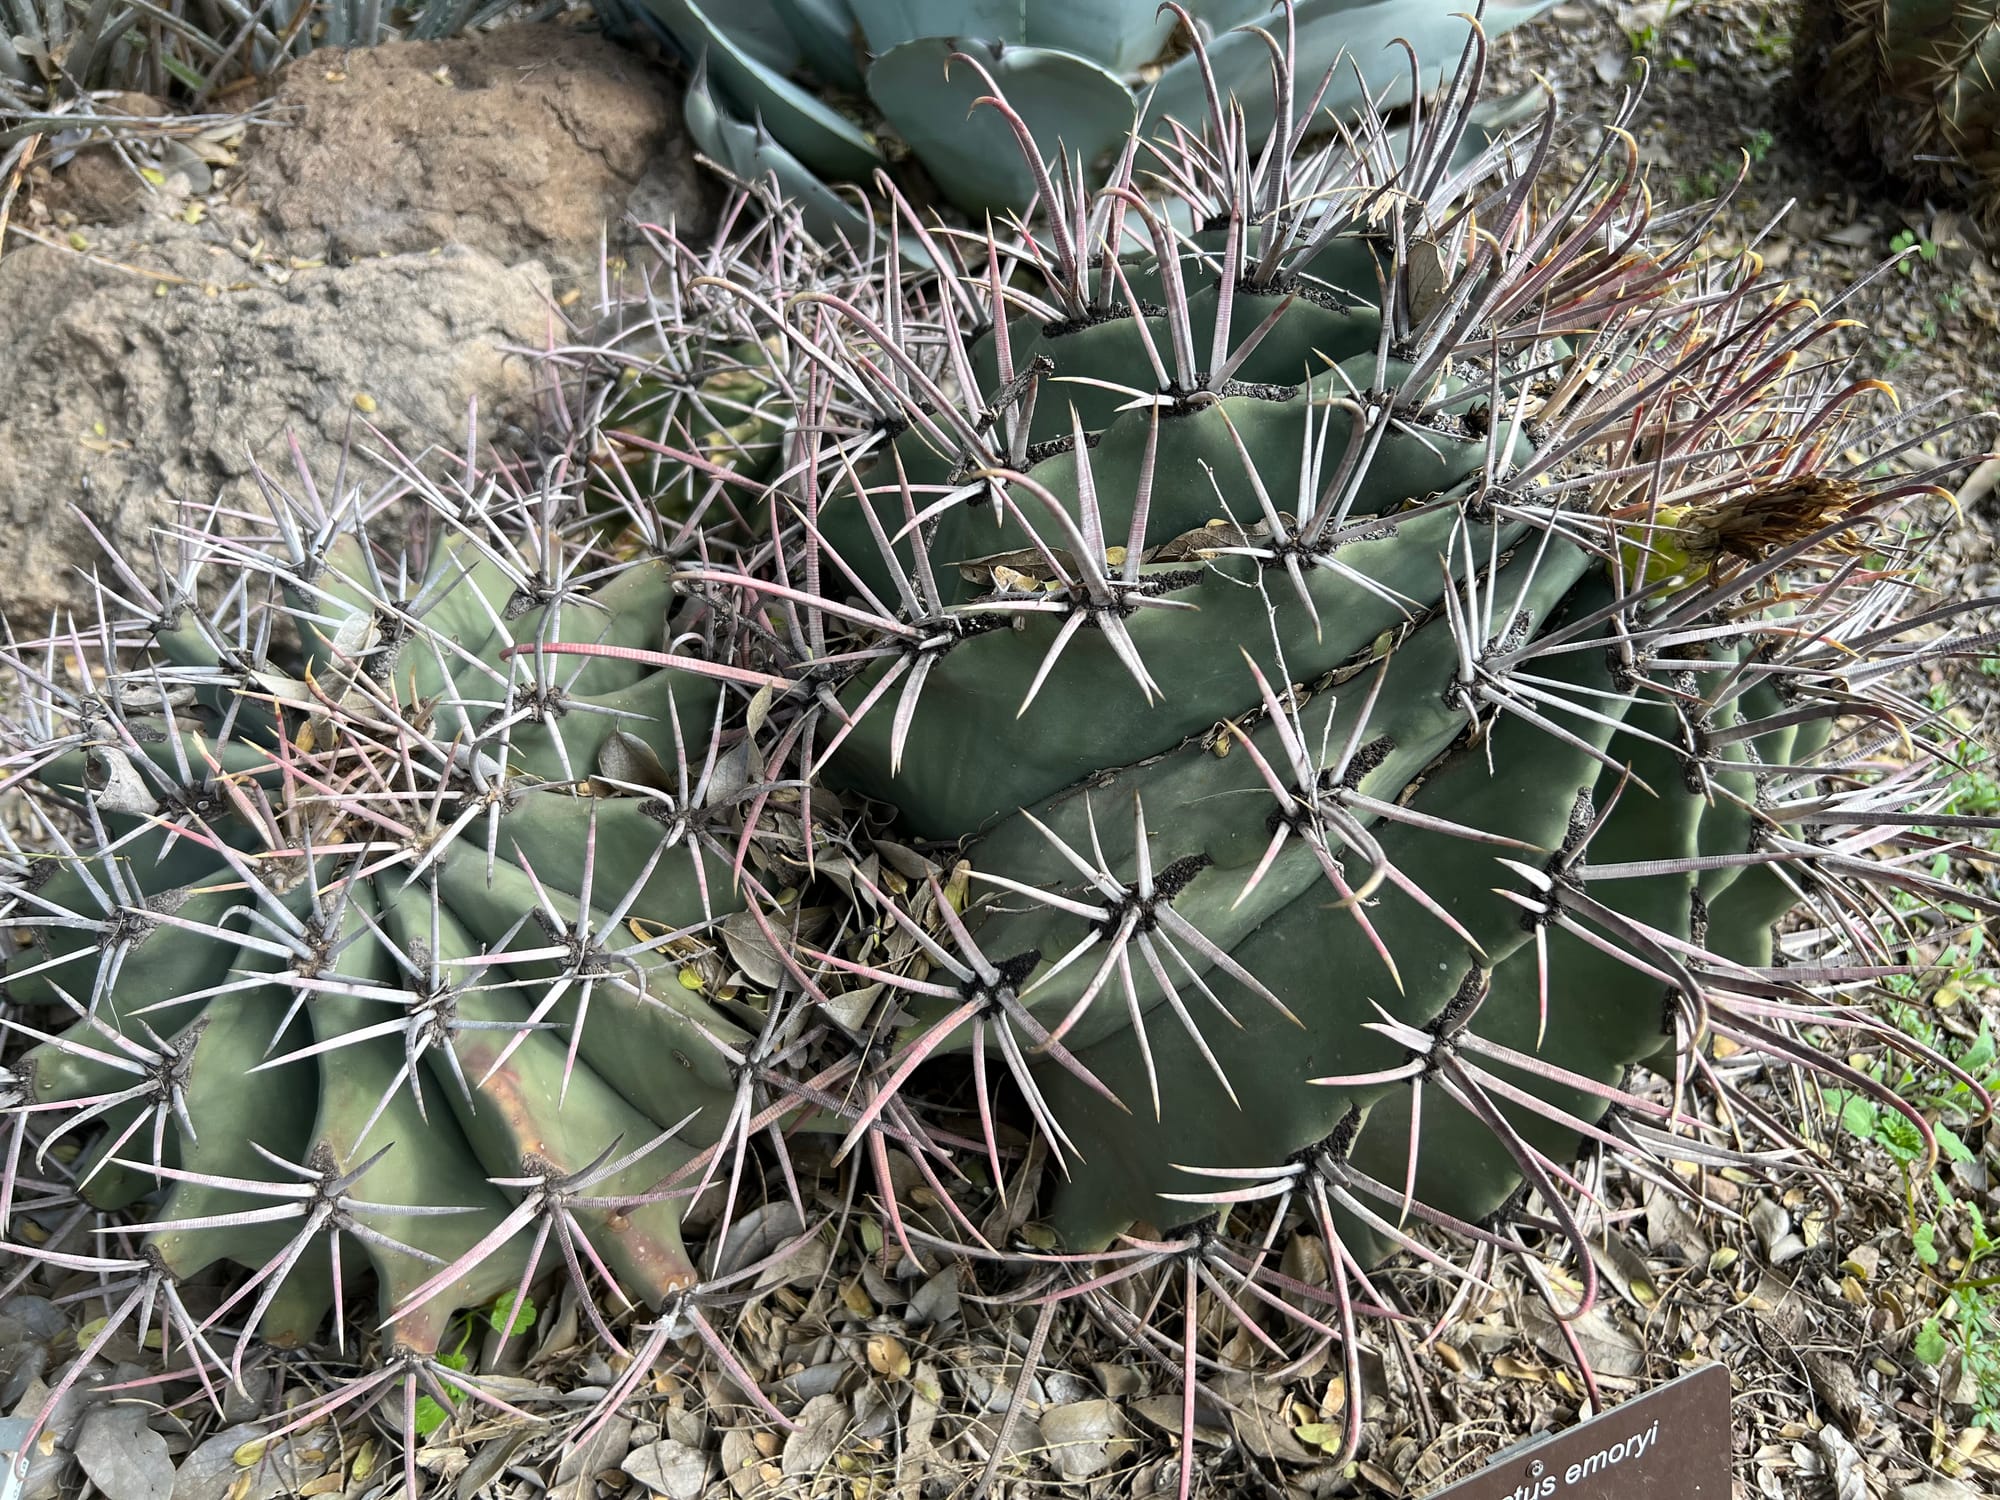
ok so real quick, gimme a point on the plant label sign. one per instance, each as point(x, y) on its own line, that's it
point(1669, 1444)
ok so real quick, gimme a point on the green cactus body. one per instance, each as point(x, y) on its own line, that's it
point(248, 1015)
point(1328, 970)
point(730, 413)
point(1914, 87)
point(1468, 830)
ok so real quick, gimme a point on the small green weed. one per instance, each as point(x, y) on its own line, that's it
point(1949, 1236)
point(502, 1318)
point(1955, 1250)
point(1644, 38)
point(1908, 240)
point(1724, 168)
point(1888, 356)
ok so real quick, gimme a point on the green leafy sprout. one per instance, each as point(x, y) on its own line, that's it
point(503, 1318)
point(1949, 1236)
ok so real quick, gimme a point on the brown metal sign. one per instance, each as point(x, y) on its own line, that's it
point(1669, 1444)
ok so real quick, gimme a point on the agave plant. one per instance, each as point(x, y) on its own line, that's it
point(1079, 72)
point(1915, 88)
point(1152, 758)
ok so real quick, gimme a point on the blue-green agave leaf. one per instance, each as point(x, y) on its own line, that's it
point(1125, 35)
point(1222, 15)
point(1362, 29)
point(828, 144)
point(825, 32)
point(1120, 36)
point(751, 154)
point(971, 153)
point(886, 24)
point(763, 31)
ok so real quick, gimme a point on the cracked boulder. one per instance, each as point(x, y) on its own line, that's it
point(367, 259)
point(525, 142)
point(142, 390)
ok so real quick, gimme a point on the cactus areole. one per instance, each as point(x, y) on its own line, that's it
point(1287, 697)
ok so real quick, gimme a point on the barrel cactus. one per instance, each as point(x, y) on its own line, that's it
point(1915, 88)
point(1080, 72)
point(1222, 719)
point(316, 959)
point(48, 55)
point(1383, 663)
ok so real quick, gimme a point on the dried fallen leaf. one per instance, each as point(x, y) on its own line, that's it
point(936, 1301)
point(1859, 235)
point(669, 1468)
point(1770, 1222)
point(1083, 1437)
point(1381, 1478)
point(124, 1457)
point(576, 1475)
point(1843, 1465)
point(888, 1357)
point(1610, 1349)
point(822, 1424)
point(1625, 1270)
point(1164, 1412)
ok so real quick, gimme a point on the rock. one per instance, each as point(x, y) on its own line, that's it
point(132, 395)
point(366, 256)
point(95, 187)
point(522, 142)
